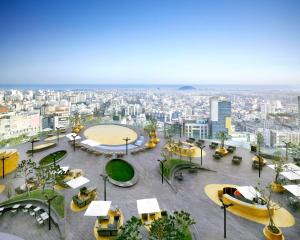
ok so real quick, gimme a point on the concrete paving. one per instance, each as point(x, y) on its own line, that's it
point(190, 195)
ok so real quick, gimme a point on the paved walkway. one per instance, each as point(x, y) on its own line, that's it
point(190, 196)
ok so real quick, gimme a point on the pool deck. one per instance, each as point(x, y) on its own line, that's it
point(190, 195)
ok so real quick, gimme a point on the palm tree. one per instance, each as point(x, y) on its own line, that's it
point(259, 142)
point(222, 136)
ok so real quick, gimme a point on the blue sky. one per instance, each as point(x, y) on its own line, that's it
point(150, 42)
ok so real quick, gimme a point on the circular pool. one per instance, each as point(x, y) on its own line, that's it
point(119, 170)
point(110, 134)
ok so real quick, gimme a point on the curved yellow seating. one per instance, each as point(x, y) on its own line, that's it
point(11, 162)
point(256, 210)
point(281, 217)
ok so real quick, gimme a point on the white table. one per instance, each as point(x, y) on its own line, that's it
point(293, 189)
point(28, 206)
point(44, 216)
point(248, 192)
point(36, 209)
point(16, 206)
point(149, 205)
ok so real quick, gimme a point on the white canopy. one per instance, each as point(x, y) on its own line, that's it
point(47, 129)
point(149, 205)
point(71, 136)
point(90, 143)
point(98, 208)
point(248, 192)
point(77, 182)
point(293, 189)
point(291, 175)
point(287, 167)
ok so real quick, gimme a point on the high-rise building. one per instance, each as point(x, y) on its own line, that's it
point(198, 129)
point(220, 116)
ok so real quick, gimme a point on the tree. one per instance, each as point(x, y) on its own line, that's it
point(50, 174)
point(173, 226)
point(278, 161)
point(26, 168)
point(266, 198)
point(130, 231)
point(180, 144)
point(295, 153)
point(166, 228)
point(222, 136)
point(259, 142)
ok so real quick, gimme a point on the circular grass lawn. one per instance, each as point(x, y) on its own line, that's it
point(49, 159)
point(119, 170)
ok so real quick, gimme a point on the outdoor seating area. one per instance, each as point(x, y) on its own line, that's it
point(213, 145)
point(231, 149)
point(39, 214)
point(84, 197)
point(109, 225)
point(149, 211)
point(236, 159)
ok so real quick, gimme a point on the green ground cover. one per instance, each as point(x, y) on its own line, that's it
point(57, 203)
point(49, 159)
point(171, 163)
point(119, 170)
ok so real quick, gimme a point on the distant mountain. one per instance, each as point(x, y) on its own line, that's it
point(186, 88)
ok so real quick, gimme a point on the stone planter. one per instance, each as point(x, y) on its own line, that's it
point(269, 235)
point(277, 187)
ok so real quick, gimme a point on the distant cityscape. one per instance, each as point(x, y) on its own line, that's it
point(200, 112)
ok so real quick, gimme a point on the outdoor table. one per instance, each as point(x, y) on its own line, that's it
point(14, 208)
point(28, 206)
point(1, 209)
point(44, 216)
point(36, 209)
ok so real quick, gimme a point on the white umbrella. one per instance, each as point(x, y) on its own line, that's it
point(98, 208)
point(149, 205)
point(77, 182)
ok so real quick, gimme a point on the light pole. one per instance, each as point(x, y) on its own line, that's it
point(126, 140)
point(74, 140)
point(224, 207)
point(201, 147)
point(49, 208)
point(32, 141)
point(57, 132)
point(3, 168)
point(162, 170)
point(104, 176)
point(286, 149)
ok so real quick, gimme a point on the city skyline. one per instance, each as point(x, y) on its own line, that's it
point(150, 43)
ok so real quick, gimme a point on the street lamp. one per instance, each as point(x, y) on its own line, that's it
point(32, 141)
point(3, 168)
point(104, 176)
point(74, 139)
point(162, 170)
point(201, 147)
point(57, 132)
point(286, 149)
point(49, 208)
point(224, 207)
point(126, 140)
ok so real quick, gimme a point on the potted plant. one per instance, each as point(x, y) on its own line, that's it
point(278, 161)
point(270, 231)
point(222, 136)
